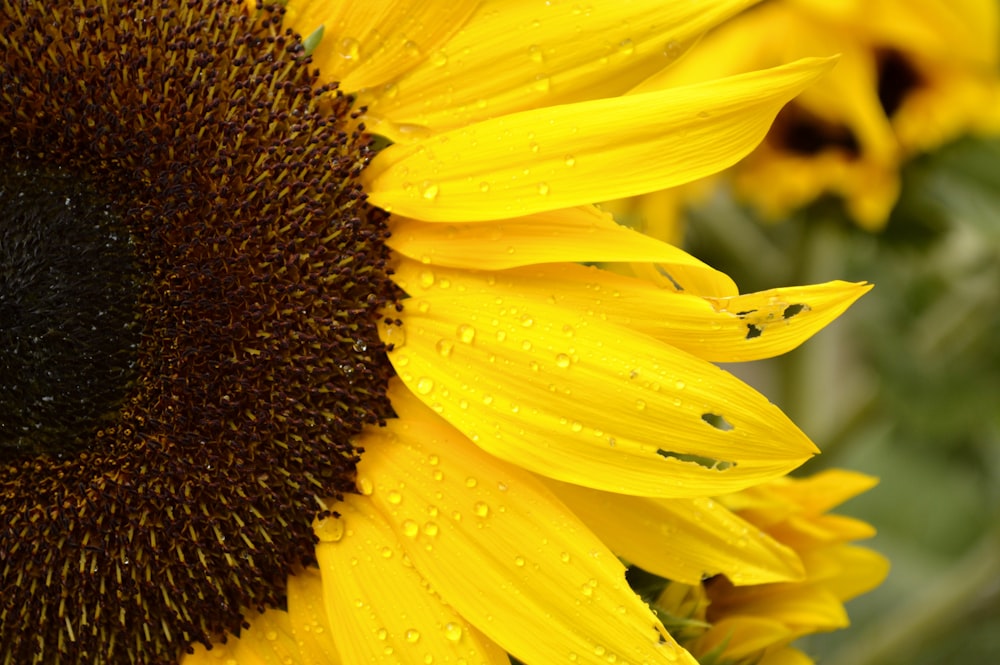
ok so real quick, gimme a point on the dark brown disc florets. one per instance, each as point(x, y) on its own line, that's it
point(261, 272)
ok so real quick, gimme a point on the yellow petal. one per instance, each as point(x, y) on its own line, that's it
point(728, 329)
point(270, 640)
point(367, 43)
point(497, 546)
point(565, 156)
point(743, 636)
point(848, 570)
point(807, 605)
point(684, 540)
point(785, 656)
point(309, 619)
point(571, 235)
point(519, 54)
point(380, 607)
point(567, 395)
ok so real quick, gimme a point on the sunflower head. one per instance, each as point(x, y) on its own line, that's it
point(190, 283)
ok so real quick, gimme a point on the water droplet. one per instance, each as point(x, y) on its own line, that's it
point(576, 426)
point(439, 59)
point(502, 486)
point(395, 498)
point(444, 347)
point(330, 530)
point(271, 635)
point(640, 404)
point(673, 49)
point(365, 485)
point(386, 552)
point(527, 321)
point(429, 190)
point(411, 48)
point(412, 636)
point(382, 634)
point(535, 53)
point(533, 146)
point(425, 385)
point(570, 160)
point(564, 557)
point(348, 48)
point(562, 360)
point(452, 631)
point(471, 482)
point(600, 650)
point(626, 47)
point(431, 529)
point(519, 561)
point(543, 188)
point(482, 509)
point(466, 333)
point(410, 528)
point(426, 279)
point(679, 385)
point(484, 187)
point(542, 84)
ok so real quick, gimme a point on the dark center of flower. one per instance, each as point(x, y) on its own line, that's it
point(69, 321)
point(188, 356)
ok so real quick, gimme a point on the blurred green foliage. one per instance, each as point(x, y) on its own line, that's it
point(905, 386)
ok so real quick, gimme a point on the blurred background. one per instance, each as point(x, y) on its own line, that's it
point(889, 172)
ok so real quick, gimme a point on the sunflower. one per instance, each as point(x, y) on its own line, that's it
point(912, 77)
point(276, 391)
point(725, 623)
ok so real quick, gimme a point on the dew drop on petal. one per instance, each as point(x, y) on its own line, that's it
point(395, 498)
point(425, 385)
point(444, 347)
point(365, 485)
point(429, 190)
point(410, 529)
point(412, 636)
point(466, 333)
point(452, 631)
point(349, 48)
point(543, 188)
point(562, 360)
point(482, 509)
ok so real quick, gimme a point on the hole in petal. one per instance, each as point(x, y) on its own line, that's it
point(707, 462)
point(717, 421)
point(792, 310)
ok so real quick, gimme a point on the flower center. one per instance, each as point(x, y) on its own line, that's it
point(207, 328)
point(69, 319)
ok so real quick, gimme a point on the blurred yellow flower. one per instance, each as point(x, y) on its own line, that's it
point(723, 620)
point(912, 76)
